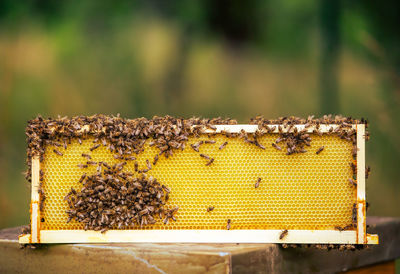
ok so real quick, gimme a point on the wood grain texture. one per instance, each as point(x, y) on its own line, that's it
point(196, 258)
point(387, 268)
point(196, 236)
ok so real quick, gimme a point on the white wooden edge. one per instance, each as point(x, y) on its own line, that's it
point(197, 236)
point(35, 199)
point(249, 128)
point(361, 210)
point(253, 128)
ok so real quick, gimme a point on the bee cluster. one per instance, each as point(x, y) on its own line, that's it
point(113, 198)
point(297, 140)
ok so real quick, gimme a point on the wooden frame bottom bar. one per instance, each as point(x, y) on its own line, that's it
point(199, 236)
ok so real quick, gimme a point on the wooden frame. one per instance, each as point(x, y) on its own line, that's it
point(35, 201)
point(358, 236)
point(200, 236)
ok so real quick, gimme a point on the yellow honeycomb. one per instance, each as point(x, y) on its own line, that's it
point(300, 191)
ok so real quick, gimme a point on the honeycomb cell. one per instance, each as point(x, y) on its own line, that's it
point(300, 191)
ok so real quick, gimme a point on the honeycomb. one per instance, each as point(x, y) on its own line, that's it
point(300, 191)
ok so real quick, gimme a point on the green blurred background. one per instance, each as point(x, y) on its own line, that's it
point(204, 58)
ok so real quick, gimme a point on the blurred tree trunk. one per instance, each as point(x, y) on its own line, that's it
point(329, 14)
point(173, 87)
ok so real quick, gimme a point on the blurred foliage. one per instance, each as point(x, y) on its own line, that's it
point(196, 58)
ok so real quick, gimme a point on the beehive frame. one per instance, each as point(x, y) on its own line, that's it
point(358, 236)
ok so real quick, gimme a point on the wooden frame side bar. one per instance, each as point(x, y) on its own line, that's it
point(361, 212)
point(35, 200)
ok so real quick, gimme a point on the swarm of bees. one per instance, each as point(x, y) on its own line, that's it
point(117, 199)
point(112, 198)
point(297, 140)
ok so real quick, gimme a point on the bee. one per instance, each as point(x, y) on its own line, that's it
point(353, 182)
point(354, 151)
point(210, 162)
point(166, 220)
point(59, 153)
point(223, 145)
point(91, 163)
point(367, 172)
point(87, 156)
point(243, 134)
point(210, 208)
point(226, 133)
point(354, 214)
point(339, 228)
point(283, 234)
point(155, 160)
point(94, 147)
point(82, 166)
point(353, 167)
point(211, 126)
point(209, 142)
point(343, 228)
point(130, 158)
point(258, 144)
point(148, 164)
point(318, 132)
point(197, 145)
point(82, 178)
point(106, 165)
point(205, 156)
point(41, 175)
point(258, 183)
point(276, 146)
point(195, 148)
point(228, 224)
point(136, 166)
point(56, 144)
point(320, 150)
point(166, 189)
